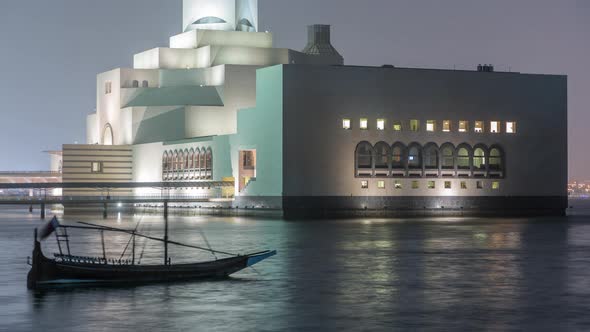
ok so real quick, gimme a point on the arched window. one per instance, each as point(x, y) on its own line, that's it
point(176, 165)
point(382, 155)
point(108, 138)
point(463, 157)
point(398, 154)
point(145, 84)
point(496, 159)
point(203, 163)
point(414, 156)
point(135, 84)
point(181, 161)
point(364, 156)
point(209, 163)
point(198, 163)
point(479, 159)
point(448, 156)
point(431, 156)
point(191, 159)
point(186, 160)
point(170, 162)
point(165, 162)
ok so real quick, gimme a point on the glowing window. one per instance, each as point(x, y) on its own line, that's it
point(346, 124)
point(431, 185)
point(96, 167)
point(365, 184)
point(511, 127)
point(463, 126)
point(398, 184)
point(381, 184)
point(494, 127)
point(397, 126)
point(380, 124)
point(495, 185)
point(448, 184)
point(446, 126)
point(364, 124)
point(430, 125)
point(479, 185)
point(415, 185)
point(478, 127)
point(414, 125)
point(463, 185)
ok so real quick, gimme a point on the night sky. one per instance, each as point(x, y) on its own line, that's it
point(52, 50)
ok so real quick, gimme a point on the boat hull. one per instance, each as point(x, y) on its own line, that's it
point(51, 273)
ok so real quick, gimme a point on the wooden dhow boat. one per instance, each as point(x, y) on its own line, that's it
point(66, 269)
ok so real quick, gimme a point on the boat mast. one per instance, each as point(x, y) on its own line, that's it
point(165, 239)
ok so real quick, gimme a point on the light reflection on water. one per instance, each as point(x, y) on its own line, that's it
point(373, 274)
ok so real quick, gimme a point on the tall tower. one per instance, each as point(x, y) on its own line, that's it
point(229, 15)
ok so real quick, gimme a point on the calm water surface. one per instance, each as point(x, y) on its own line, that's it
point(382, 275)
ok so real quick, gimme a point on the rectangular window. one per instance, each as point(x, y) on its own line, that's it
point(511, 127)
point(495, 185)
point(431, 125)
point(463, 126)
point(414, 125)
point(431, 185)
point(365, 184)
point(108, 87)
point(397, 126)
point(478, 126)
point(346, 124)
point(494, 127)
point(398, 184)
point(415, 185)
point(463, 185)
point(479, 185)
point(446, 126)
point(380, 124)
point(364, 124)
point(448, 185)
point(381, 184)
point(96, 167)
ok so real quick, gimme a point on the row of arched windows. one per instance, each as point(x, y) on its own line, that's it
point(399, 160)
point(193, 164)
point(144, 84)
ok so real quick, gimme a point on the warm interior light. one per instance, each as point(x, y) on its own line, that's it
point(511, 127)
point(479, 126)
point(463, 126)
point(495, 127)
point(446, 126)
point(364, 123)
point(380, 124)
point(430, 125)
point(346, 124)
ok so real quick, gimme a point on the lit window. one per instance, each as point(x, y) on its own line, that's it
point(364, 124)
point(346, 124)
point(108, 87)
point(398, 184)
point(495, 127)
point(431, 185)
point(415, 185)
point(380, 124)
point(495, 185)
point(414, 125)
point(448, 185)
point(365, 184)
point(381, 184)
point(463, 126)
point(479, 126)
point(96, 167)
point(511, 127)
point(397, 126)
point(479, 185)
point(463, 185)
point(430, 125)
point(446, 126)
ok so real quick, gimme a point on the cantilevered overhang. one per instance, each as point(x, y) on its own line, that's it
point(173, 96)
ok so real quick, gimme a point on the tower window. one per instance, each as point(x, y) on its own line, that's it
point(364, 124)
point(463, 126)
point(414, 125)
point(448, 184)
point(96, 167)
point(431, 125)
point(446, 126)
point(346, 124)
point(108, 87)
point(463, 185)
point(478, 127)
point(397, 126)
point(398, 184)
point(479, 185)
point(415, 185)
point(495, 127)
point(364, 184)
point(511, 127)
point(495, 185)
point(381, 184)
point(380, 124)
point(431, 185)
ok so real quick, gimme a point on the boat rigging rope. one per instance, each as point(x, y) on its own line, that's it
point(207, 242)
point(131, 238)
point(149, 227)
